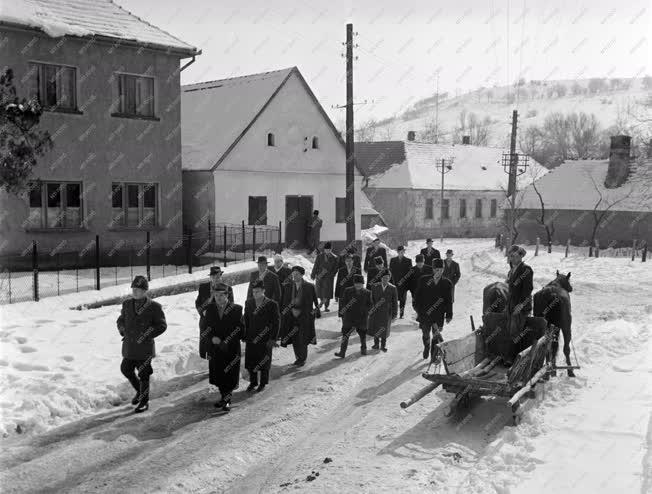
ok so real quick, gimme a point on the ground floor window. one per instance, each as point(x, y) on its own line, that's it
point(55, 205)
point(445, 210)
point(494, 206)
point(340, 210)
point(429, 209)
point(478, 208)
point(462, 208)
point(134, 204)
point(257, 210)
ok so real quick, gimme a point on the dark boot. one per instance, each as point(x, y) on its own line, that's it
point(376, 344)
point(143, 402)
point(343, 345)
point(383, 344)
point(136, 398)
point(253, 381)
point(426, 351)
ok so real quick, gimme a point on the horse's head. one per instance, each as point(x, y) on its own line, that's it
point(563, 281)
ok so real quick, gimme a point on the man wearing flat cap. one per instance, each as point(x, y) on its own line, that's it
point(374, 251)
point(323, 272)
point(299, 309)
point(354, 308)
point(204, 297)
point(401, 269)
point(451, 271)
point(269, 279)
point(141, 320)
point(434, 305)
point(429, 253)
point(520, 285)
point(224, 328)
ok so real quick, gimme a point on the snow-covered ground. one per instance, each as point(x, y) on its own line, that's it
point(61, 383)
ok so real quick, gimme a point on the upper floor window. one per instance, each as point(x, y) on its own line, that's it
point(55, 205)
point(134, 205)
point(315, 142)
point(55, 86)
point(340, 210)
point(136, 95)
point(270, 139)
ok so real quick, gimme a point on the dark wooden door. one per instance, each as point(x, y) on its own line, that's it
point(298, 211)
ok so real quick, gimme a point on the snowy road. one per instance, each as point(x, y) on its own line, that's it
point(588, 435)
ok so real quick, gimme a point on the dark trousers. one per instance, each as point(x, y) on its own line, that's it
point(426, 329)
point(264, 376)
point(140, 383)
point(300, 351)
point(346, 334)
point(382, 340)
point(402, 295)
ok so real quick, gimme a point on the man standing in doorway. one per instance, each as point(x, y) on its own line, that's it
point(314, 232)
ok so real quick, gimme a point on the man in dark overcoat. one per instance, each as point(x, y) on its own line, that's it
point(430, 253)
point(269, 279)
point(375, 271)
point(433, 304)
point(205, 297)
point(418, 270)
point(520, 285)
point(261, 330)
point(373, 251)
point(314, 232)
point(323, 272)
point(141, 320)
point(281, 270)
point(384, 310)
point(400, 268)
point(451, 271)
point(353, 252)
point(354, 310)
point(300, 308)
point(345, 276)
point(225, 330)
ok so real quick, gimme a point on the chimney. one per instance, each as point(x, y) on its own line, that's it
point(466, 139)
point(411, 135)
point(618, 169)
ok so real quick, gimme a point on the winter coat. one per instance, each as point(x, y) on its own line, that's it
point(314, 230)
point(384, 309)
point(261, 327)
point(401, 271)
point(272, 285)
point(224, 358)
point(520, 282)
point(201, 302)
point(139, 326)
point(356, 262)
point(283, 274)
point(354, 309)
point(415, 275)
point(452, 271)
point(433, 301)
point(373, 276)
point(345, 280)
point(323, 272)
point(430, 256)
point(306, 298)
point(371, 254)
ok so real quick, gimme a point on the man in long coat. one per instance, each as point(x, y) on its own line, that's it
point(418, 270)
point(141, 320)
point(323, 272)
point(225, 330)
point(373, 251)
point(354, 310)
point(281, 270)
point(433, 304)
point(269, 279)
point(451, 270)
point(353, 252)
point(300, 308)
point(204, 297)
point(375, 271)
point(430, 253)
point(520, 285)
point(384, 310)
point(345, 276)
point(261, 330)
point(401, 269)
point(314, 232)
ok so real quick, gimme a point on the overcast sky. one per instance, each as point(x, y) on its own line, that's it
point(404, 44)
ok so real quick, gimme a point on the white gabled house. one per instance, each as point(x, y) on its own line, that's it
point(260, 148)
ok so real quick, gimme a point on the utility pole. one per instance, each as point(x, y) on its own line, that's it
point(350, 155)
point(437, 113)
point(511, 186)
point(444, 168)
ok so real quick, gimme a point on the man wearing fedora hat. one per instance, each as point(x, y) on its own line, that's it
point(374, 251)
point(451, 271)
point(429, 253)
point(323, 272)
point(354, 308)
point(375, 272)
point(205, 296)
point(345, 276)
point(269, 279)
point(141, 320)
point(401, 269)
point(314, 232)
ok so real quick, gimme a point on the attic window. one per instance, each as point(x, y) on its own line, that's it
point(270, 139)
point(315, 142)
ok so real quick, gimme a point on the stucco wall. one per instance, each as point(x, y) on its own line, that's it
point(96, 148)
point(198, 199)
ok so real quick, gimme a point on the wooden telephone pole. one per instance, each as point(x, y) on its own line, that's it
point(350, 155)
point(511, 186)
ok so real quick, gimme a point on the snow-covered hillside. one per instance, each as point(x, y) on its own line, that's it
point(333, 425)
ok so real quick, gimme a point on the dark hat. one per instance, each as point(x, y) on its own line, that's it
point(351, 250)
point(315, 212)
point(140, 282)
point(517, 248)
point(449, 251)
point(300, 269)
point(348, 256)
point(428, 240)
point(215, 270)
point(376, 239)
point(258, 284)
point(400, 247)
point(223, 287)
point(437, 263)
point(358, 278)
point(419, 258)
point(327, 245)
point(378, 260)
point(385, 272)
point(262, 259)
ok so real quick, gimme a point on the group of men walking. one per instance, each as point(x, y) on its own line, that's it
point(281, 308)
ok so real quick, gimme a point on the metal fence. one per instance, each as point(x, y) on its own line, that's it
point(39, 272)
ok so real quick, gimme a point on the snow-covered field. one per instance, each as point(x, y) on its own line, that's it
point(61, 386)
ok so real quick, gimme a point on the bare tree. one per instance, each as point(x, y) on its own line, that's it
point(548, 224)
point(366, 132)
point(585, 134)
point(432, 132)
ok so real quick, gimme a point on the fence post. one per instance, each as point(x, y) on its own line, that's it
point(147, 258)
point(225, 261)
point(536, 249)
point(567, 247)
point(189, 250)
point(633, 249)
point(280, 248)
point(644, 253)
point(244, 242)
point(253, 243)
point(97, 262)
point(35, 269)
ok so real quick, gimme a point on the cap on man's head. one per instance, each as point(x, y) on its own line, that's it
point(428, 240)
point(437, 263)
point(327, 245)
point(351, 250)
point(400, 248)
point(358, 278)
point(140, 282)
point(385, 272)
point(299, 269)
point(258, 284)
point(517, 249)
point(315, 212)
point(449, 251)
point(378, 260)
point(419, 258)
point(223, 287)
point(215, 270)
point(262, 259)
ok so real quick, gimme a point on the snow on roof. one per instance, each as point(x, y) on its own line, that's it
point(473, 167)
point(87, 18)
point(570, 186)
point(215, 113)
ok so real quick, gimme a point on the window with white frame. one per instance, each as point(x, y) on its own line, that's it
point(55, 205)
point(135, 95)
point(55, 86)
point(134, 204)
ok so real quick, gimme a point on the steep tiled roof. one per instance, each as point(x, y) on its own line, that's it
point(571, 186)
point(473, 168)
point(88, 18)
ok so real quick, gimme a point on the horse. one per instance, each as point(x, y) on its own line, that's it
point(553, 303)
point(494, 297)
